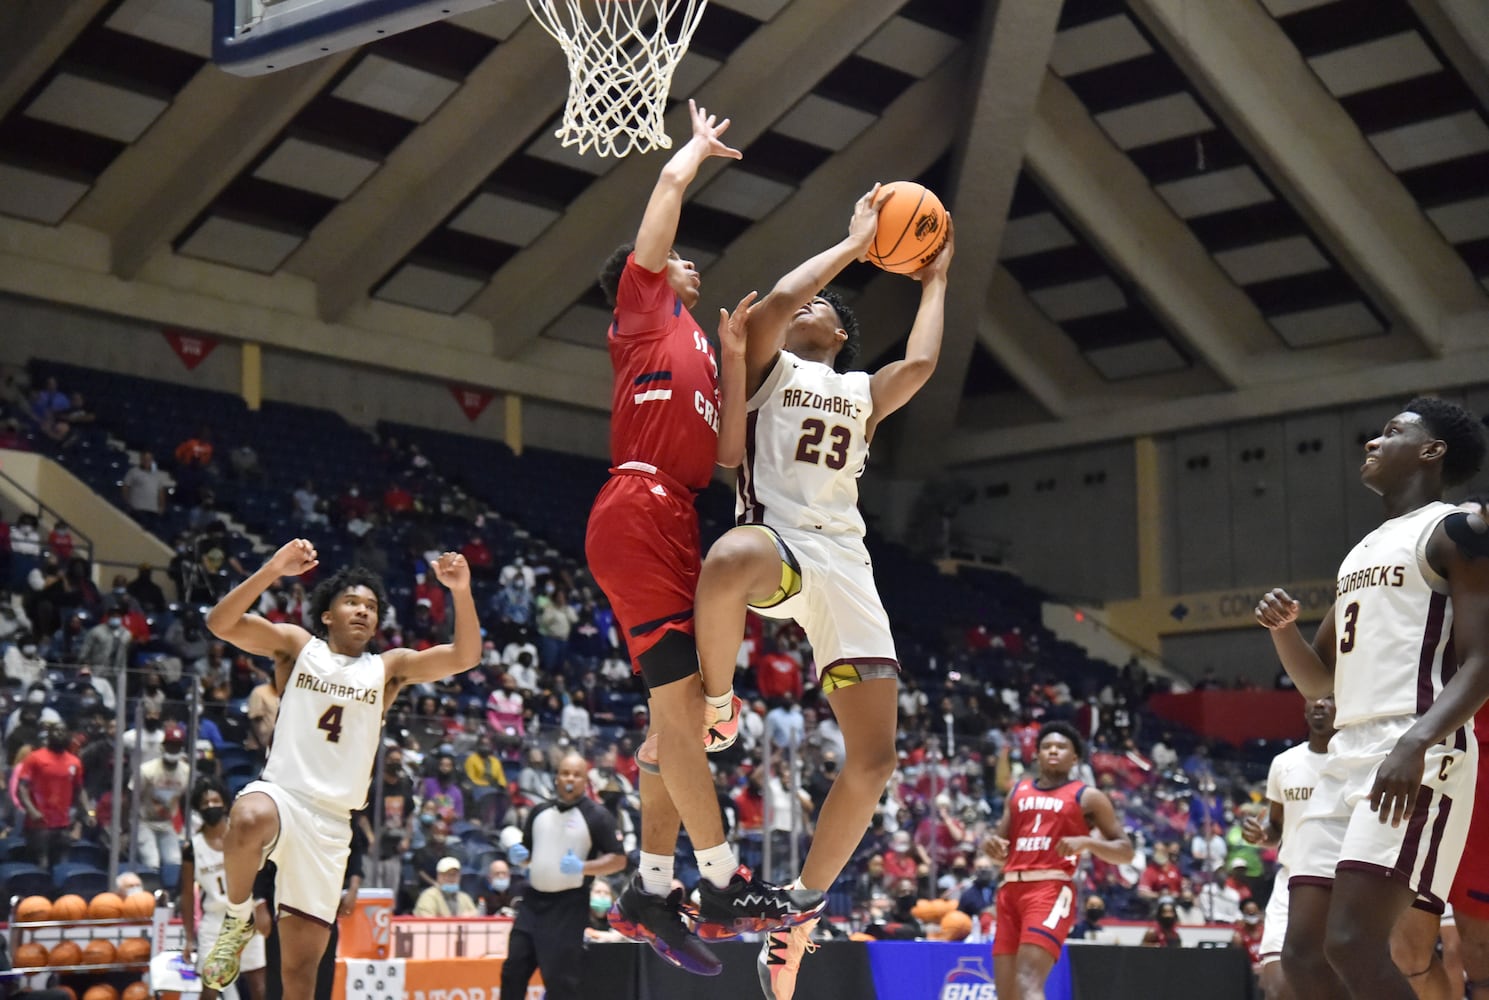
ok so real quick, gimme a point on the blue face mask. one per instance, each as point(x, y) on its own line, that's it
point(427, 819)
point(500, 884)
point(449, 888)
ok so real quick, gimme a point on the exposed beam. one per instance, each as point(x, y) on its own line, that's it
point(210, 132)
point(1249, 70)
point(505, 99)
point(1009, 67)
point(801, 44)
point(1115, 206)
point(816, 215)
point(1461, 30)
point(33, 33)
point(1032, 349)
point(1347, 384)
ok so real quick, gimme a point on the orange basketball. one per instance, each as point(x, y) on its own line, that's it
point(955, 926)
point(101, 991)
point(140, 906)
point(912, 228)
point(99, 952)
point(65, 953)
point(30, 955)
point(32, 909)
point(133, 951)
point(135, 991)
point(106, 906)
point(69, 907)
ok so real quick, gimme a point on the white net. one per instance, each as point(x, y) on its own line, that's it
point(621, 56)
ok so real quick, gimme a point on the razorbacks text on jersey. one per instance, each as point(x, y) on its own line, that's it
point(1038, 819)
point(1290, 782)
point(1393, 622)
point(806, 444)
point(665, 409)
point(329, 725)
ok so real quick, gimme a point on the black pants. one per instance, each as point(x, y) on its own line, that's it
point(47, 847)
point(548, 934)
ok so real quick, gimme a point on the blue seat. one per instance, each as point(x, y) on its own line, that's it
point(85, 882)
point(63, 870)
point(24, 880)
point(170, 877)
point(85, 853)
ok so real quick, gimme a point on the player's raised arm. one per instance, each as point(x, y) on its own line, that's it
point(659, 223)
point(463, 651)
point(893, 385)
point(733, 400)
point(770, 316)
point(232, 622)
point(1310, 665)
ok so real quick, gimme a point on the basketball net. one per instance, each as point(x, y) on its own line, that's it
point(620, 68)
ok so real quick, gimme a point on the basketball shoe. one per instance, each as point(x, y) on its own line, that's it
point(721, 735)
point(780, 959)
point(747, 904)
point(662, 923)
point(221, 966)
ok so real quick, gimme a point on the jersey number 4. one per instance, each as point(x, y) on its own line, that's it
point(331, 723)
point(809, 448)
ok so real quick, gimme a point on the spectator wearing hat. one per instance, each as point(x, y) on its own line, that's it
point(445, 898)
point(162, 786)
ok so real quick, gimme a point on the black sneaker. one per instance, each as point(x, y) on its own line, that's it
point(748, 905)
point(661, 922)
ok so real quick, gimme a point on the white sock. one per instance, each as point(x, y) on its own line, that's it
point(800, 886)
point(723, 703)
point(717, 864)
point(243, 910)
point(656, 873)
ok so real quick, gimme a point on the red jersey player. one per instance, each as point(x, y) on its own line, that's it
point(675, 415)
point(1044, 829)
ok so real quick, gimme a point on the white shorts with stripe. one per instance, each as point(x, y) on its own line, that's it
point(1339, 830)
point(311, 852)
point(1274, 929)
point(838, 606)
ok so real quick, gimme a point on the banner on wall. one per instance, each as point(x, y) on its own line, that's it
point(941, 970)
point(472, 401)
point(449, 979)
point(191, 348)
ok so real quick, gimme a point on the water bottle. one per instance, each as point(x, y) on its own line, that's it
point(481, 907)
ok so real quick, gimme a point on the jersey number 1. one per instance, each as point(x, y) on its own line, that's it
point(331, 723)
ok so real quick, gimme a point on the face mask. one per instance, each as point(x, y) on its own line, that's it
point(113, 623)
point(500, 884)
point(152, 725)
point(170, 759)
point(427, 819)
point(1095, 915)
point(131, 891)
point(1253, 919)
point(212, 815)
point(57, 742)
point(152, 689)
point(599, 905)
point(37, 698)
point(449, 888)
point(984, 877)
point(28, 650)
point(1166, 921)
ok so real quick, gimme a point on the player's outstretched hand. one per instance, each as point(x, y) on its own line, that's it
point(1253, 830)
point(996, 848)
point(1277, 609)
point(707, 130)
point(293, 558)
point(865, 221)
point(453, 571)
point(1396, 783)
point(936, 269)
point(732, 326)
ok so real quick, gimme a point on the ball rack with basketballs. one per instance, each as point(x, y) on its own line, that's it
point(98, 949)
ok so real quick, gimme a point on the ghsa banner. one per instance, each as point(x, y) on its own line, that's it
point(941, 970)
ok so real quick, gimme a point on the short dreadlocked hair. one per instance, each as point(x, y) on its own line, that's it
point(1066, 730)
point(344, 579)
point(848, 353)
point(1459, 429)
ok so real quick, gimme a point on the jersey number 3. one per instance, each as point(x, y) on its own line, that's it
point(1351, 618)
point(809, 448)
point(331, 723)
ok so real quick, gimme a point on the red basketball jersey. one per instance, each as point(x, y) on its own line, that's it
point(1038, 818)
point(665, 411)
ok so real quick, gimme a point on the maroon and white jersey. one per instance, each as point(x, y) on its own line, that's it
point(1393, 622)
point(1038, 819)
point(665, 410)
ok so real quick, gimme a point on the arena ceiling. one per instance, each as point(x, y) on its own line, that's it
point(1169, 212)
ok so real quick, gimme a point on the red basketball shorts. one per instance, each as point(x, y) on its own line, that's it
point(1037, 913)
point(643, 549)
point(1470, 895)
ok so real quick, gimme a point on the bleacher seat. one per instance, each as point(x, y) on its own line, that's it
point(85, 853)
point(85, 882)
point(21, 879)
point(170, 878)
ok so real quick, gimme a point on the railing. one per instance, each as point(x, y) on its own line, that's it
point(83, 545)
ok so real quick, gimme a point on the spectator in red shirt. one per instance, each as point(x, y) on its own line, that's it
point(61, 542)
point(749, 804)
point(478, 555)
point(1161, 877)
point(434, 594)
point(49, 784)
point(352, 504)
point(905, 859)
point(397, 500)
point(777, 675)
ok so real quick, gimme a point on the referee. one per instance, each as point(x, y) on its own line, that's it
point(567, 841)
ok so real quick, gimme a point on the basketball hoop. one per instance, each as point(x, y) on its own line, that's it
point(620, 68)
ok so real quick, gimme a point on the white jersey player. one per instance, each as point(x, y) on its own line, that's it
point(798, 550)
point(202, 866)
point(1405, 651)
point(334, 692)
point(1290, 783)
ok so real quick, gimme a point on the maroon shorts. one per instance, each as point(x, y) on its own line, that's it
point(643, 549)
point(1470, 895)
point(1037, 913)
